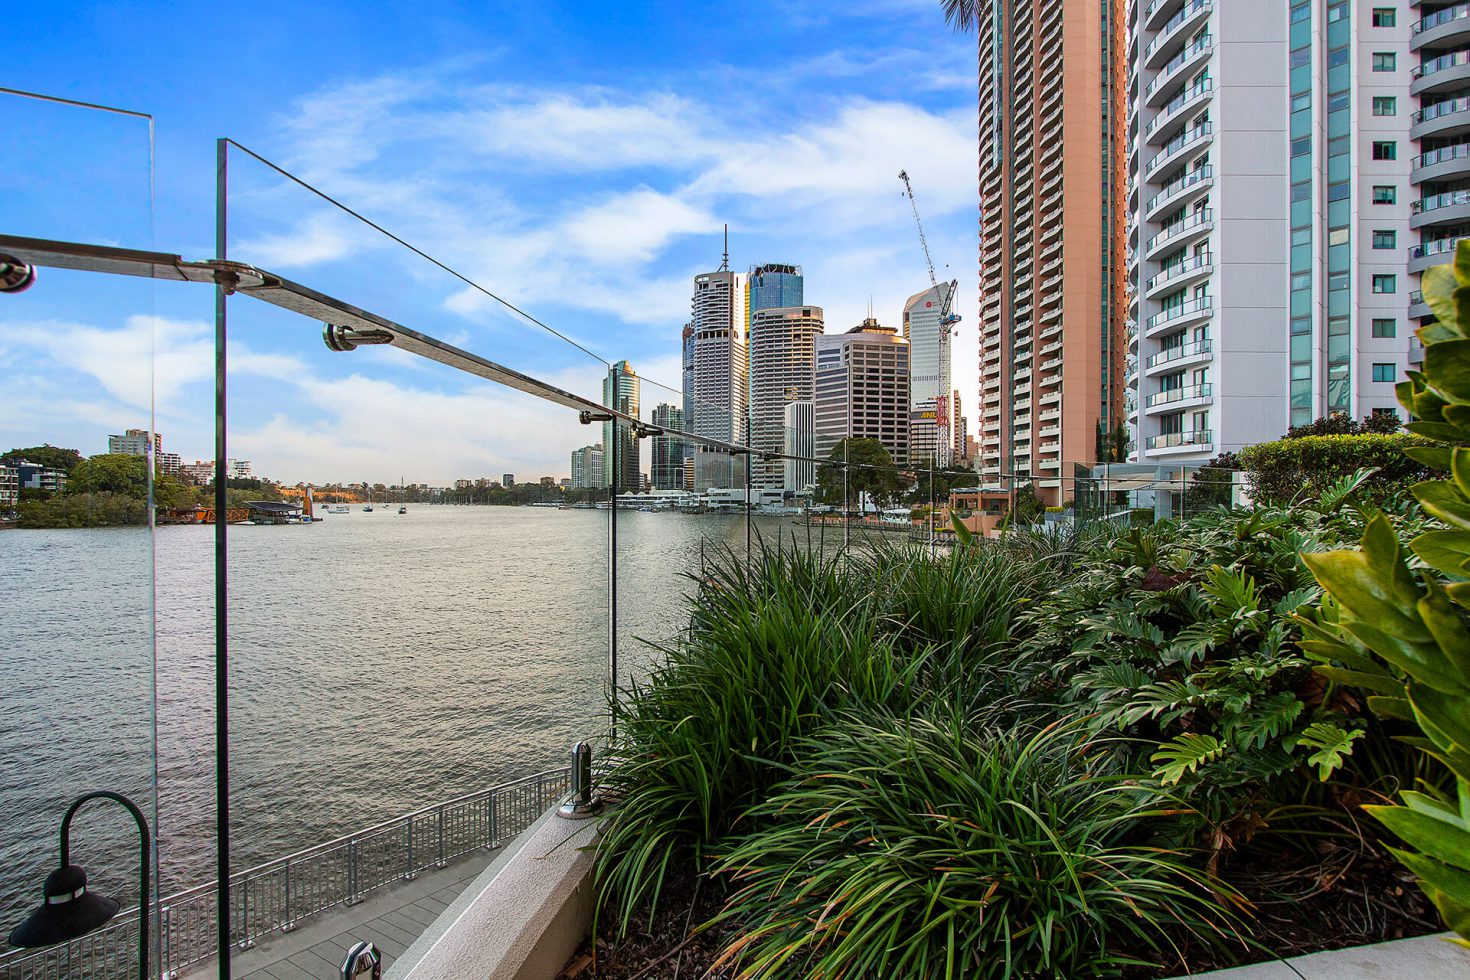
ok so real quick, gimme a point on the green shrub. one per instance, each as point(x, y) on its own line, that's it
point(911, 849)
point(102, 509)
point(1290, 470)
point(1400, 630)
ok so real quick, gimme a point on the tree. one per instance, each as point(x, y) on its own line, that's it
point(110, 473)
point(962, 15)
point(48, 455)
point(870, 470)
point(946, 479)
point(1112, 445)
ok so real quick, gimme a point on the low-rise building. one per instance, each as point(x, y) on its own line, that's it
point(34, 476)
point(200, 472)
point(9, 487)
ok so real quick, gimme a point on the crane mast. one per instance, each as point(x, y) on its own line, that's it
point(947, 321)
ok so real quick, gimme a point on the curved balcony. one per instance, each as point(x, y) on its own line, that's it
point(1441, 27)
point(1175, 28)
point(1441, 164)
point(1452, 207)
point(1191, 269)
point(1176, 151)
point(1180, 356)
point(1418, 309)
point(1194, 227)
point(1158, 12)
point(1439, 74)
point(1178, 109)
point(1437, 252)
point(1180, 190)
point(1178, 66)
point(1448, 118)
point(1184, 315)
point(1193, 441)
point(1173, 399)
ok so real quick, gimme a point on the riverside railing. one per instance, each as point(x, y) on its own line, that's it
point(276, 896)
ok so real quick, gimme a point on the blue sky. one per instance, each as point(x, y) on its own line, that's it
point(577, 159)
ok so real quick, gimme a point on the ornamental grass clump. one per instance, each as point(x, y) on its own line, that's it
point(910, 848)
point(775, 645)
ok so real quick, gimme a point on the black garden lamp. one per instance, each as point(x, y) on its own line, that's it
point(71, 909)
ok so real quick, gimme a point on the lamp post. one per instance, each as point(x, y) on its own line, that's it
point(70, 909)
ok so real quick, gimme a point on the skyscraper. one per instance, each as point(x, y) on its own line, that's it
point(1269, 177)
point(929, 361)
point(799, 432)
point(620, 390)
point(720, 379)
point(862, 389)
point(667, 471)
point(1052, 291)
point(687, 350)
point(588, 471)
point(782, 371)
point(773, 286)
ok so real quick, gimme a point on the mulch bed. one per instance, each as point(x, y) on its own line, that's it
point(1350, 897)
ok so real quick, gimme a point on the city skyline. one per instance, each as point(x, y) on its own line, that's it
point(443, 130)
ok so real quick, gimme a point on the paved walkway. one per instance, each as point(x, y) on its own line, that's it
point(391, 917)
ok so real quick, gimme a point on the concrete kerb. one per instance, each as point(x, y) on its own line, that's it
point(1421, 958)
point(521, 919)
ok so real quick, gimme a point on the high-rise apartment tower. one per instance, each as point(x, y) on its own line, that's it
point(782, 371)
point(667, 469)
point(1052, 282)
point(721, 383)
point(620, 391)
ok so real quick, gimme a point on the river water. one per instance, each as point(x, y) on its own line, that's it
point(378, 663)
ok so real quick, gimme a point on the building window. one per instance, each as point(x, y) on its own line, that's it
point(1385, 61)
point(1385, 328)
point(1385, 239)
point(1385, 194)
point(1385, 105)
point(1385, 150)
point(1385, 17)
point(1385, 283)
point(1383, 372)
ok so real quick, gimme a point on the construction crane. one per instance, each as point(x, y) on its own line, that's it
point(947, 318)
point(947, 321)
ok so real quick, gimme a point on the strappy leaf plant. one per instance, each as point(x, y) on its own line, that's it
point(1408, 609)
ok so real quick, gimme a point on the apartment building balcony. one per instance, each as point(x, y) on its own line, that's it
point(1447, 26)
point(1437, 252)
point(1181, 190)
point(1174, 399)
point(1191, 229)
point(1158, 12)
point(1177, 110)
point(1052, 398)
point(1448, 118)
point(1050, 416)
point(1194, 440)
point(1448, 71)
point(1441, 164)
point(1174, 31)
point(1193, 268)
point(1418, 309)
point(1182, 355)
point(1451, 208)
point(1184, 315)
point(1186, 61)
point(1050, 364)
point(1177, 150)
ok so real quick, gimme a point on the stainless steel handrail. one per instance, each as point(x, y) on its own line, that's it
point(276, 895)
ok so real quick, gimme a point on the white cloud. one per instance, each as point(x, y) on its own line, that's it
point(632, 227)
point(318, 238)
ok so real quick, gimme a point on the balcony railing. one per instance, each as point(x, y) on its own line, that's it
point(1162, 36)
point(1458, 151)
point(1195, 437)
point(1439, 109)
point(1446, 200)
point(1168, 108)
point(1193, 307)
point(1437, 247)
point(1177, 271)
point(1445, 61)
point(1440, 17)
point(1196, 176)
point(1194, 221)
point(1203, 44)
point(1177, 145)
point(1171, 395)
point(1179, 352)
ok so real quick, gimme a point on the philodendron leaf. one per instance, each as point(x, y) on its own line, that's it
point(1448, 888)
point(1333, 745)
point(1447, 365)
point(1441, 836)
point(1438, 285)
point(1446, 551)
point(1185, 754)
point(1442, 499)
